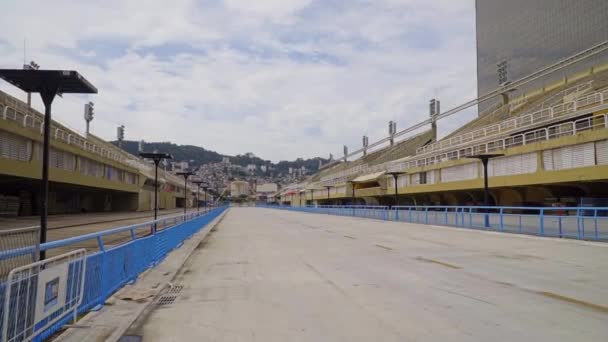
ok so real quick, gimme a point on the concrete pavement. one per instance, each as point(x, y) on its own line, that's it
point(273, 275)
point(128, 304)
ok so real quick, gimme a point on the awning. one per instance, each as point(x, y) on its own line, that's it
point(368, 178)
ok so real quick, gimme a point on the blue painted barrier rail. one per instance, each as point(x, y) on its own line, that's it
point(584, 223)
point(114, 264)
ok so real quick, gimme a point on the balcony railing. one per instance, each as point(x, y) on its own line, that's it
point(541, 116)
point(13, 110)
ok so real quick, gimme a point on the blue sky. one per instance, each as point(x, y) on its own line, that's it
point(280, 78)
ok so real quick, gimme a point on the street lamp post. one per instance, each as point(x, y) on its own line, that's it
point(198, 182)
point(48, 83)
point(328, 187)
point(486, 192)
point(352, 183)
point(205, 187)
point(185, 174)
point(396, 175)
point(353, 192)
point(156, 157)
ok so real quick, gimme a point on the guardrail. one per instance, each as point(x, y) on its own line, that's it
point(123, 253)
point(368, 211)
point(35, 122)
point(583, 223)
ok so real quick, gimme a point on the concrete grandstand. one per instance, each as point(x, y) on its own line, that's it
point(87, 174)
point(554, 142)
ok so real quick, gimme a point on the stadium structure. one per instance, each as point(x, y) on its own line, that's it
point(542, 124)
point(87, 174)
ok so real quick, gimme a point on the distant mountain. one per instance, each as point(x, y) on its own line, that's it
point(197, 156)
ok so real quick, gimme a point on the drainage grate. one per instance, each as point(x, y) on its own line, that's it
point(175, 289)
point(166, 300)
point(170, 296)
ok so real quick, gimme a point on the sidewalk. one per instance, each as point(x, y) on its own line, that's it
point(122, 309)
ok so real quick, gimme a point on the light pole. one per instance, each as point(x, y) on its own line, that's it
point(396, 175)
point(185, 174)
point(205, 188)
point(198, 182)
point(486, 192)
point(328, 187)
point(48, 83)
point(353, 193)
point(156, 157)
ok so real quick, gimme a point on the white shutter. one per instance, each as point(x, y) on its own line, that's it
point(415, 179)
point(513, 165)
point(601, 152)
point(548, 160)
point(432, 176)
point(15, 147)
point(529, 163)
point(460, 172)
point(582, 155)
point(99, 169)
point(91, 168)
point(70, 161)
point(589, 151)
point(55, 159)
point(402, 181)
point(569, 157)
point(566, 158)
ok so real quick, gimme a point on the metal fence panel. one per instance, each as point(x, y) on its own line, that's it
point(40, 294)
point(578, 222)
point(103, 272)
point(18, 247)
point(24, 240)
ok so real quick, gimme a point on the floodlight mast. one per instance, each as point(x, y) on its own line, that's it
point(89, 111)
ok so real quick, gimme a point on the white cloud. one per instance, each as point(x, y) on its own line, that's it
point(282, 79)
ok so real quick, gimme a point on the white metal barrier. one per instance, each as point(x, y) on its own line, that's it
point(40, 294)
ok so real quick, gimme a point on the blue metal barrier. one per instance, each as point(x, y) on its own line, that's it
point(110, 268)
point(369, 211)
point(584, 223)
